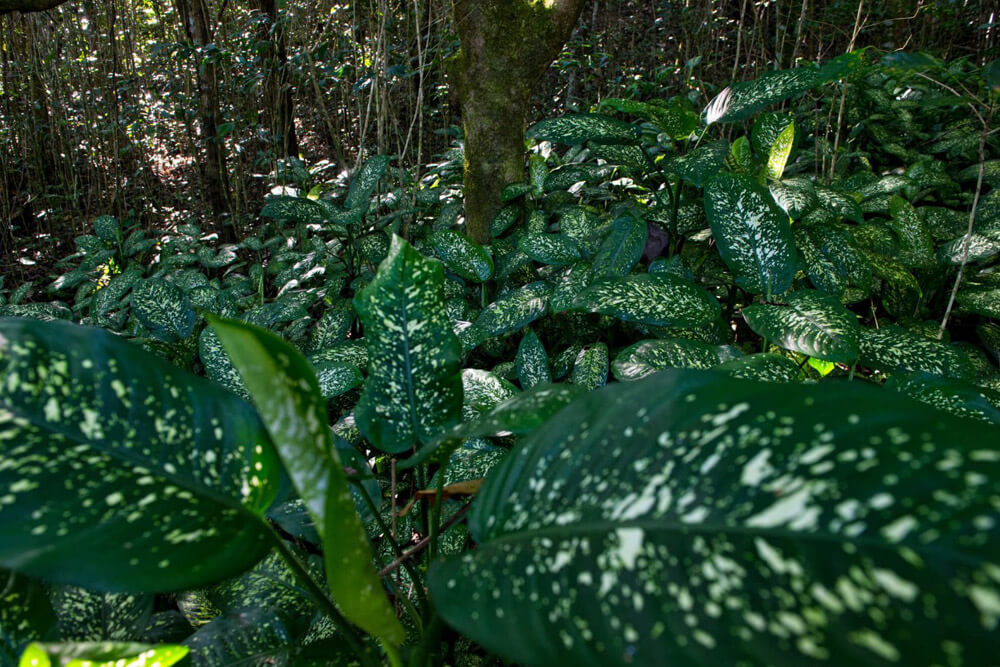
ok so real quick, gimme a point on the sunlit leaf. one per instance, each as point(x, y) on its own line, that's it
point(649, 356)
point(812, 323)
point(656, 299)
point(575, 129)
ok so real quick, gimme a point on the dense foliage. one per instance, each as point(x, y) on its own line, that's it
point(722, 389)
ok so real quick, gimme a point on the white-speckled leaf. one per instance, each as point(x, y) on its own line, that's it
point(743, 99)
point(892, 348)
point(701, 164)
point(916, 244)
point(461, 256)
point(414, 388)
point(287, 395)
point(364, 182)
point(649, 356)
point(515, 310)
point(552, 249)
point(795, 196)
point(752, 232)
point(982, 300)
point(254, 637)
point(954, 396)
point(25, 614)
point(812, 323)
point(483, 391)
point(695, 519)
point(300, 210)
point(101, 441)
point(980, 248)
point(621, 250)
point(763, 367)
point(591, 368)
point(164, 309)
point(659, 299)
point(579, 128)
point(337, 377)
point(88, 616)
point(532, 361)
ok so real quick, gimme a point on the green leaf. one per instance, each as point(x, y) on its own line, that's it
point(744, 99)
point(763, 367)
point(977, 248)
point(86, 615)
point(164, 309)
point(332, 327)
point(649, 356)
point(107, 229)
point(300, 210)
point(337, 377)
point(515, 310)
point(532, 361)
point(504, 220)
point(752, 232)
point(414, 388)
point(287, 396)
point(252, 637)
point(105, 654)
point(981, 300)
point(676, 121)
point(813, 323)
point(364, 182)
point(701, 164)
point(917, 246)
point(483, 391)
point(461, 256)
point(780, 150)
point(954, 396)
point(659, 299)
point(552, 249)
point(795, 196)
point(573, 129)
point(568, 286)
point(709, 521)
point(25, 614)
point(622, 249)
point(583, 226)
point(151, 473)
point(591, 368)
point(217, 365)
point(893, 348)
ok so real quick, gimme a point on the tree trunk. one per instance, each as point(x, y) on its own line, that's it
point(506, 46)
point(195, 17)
point(279, 106)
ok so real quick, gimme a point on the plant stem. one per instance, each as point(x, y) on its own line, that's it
point(323, 601)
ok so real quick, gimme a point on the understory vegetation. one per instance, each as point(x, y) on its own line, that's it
point(722, 389)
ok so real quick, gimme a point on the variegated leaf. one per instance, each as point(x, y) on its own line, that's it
point(461, 256)
point(658, 299)
point(649, 356)
point(414, 388)
point(812, 323)
point(753, 234)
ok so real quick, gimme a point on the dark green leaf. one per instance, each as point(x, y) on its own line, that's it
point(515, 310)
point(649, 356)
point(763, 367)
point(591, 368)
point(364, 182)
point(655, 299)
point(532, 361)
point(25, 614)
point(621, 250)
point(710, 521)
point(575, 129)
point(414, 387)
point(954, 396)
point(164, 309)
point(701, 164)
point(752, 232)
point(813, 324)
point(152, 473)
point(461, 256)
point(552, 249)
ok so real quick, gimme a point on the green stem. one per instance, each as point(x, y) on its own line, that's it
point(431, 638)
point(323, 601)
point(435, 520)
point(421, 598)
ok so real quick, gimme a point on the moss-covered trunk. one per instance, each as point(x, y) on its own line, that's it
point(506, 47)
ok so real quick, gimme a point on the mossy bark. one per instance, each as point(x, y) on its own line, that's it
point(506, 47)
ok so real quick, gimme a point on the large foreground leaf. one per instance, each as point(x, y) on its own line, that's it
point(287, 395)
point(414, 388)
point(107, 654)
point(120, 471)
point(753, 233)
point(696, 519)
